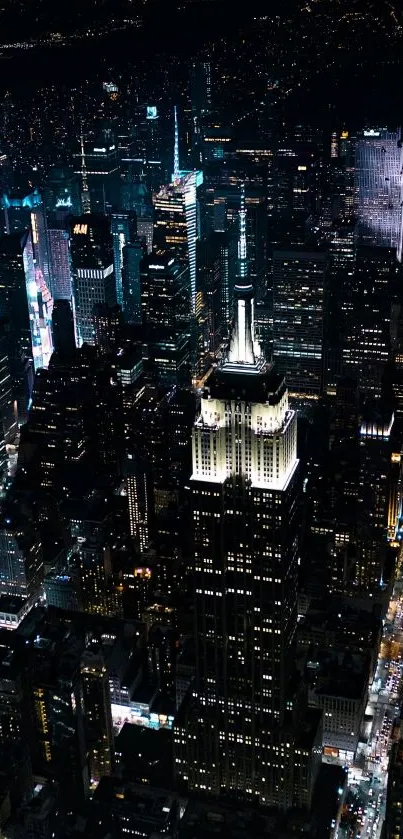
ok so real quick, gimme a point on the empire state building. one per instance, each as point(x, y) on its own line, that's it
point(246, 731)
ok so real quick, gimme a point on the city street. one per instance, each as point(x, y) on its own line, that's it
point(364, 808)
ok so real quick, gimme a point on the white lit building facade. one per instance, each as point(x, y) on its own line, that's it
point(176, 222)
point(379, 188)
point(241, 731)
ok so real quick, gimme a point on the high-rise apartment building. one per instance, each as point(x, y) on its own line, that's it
point(379, 188)
point(138, 486)
point(93, 272)
point(241, 733)
point(299, 299)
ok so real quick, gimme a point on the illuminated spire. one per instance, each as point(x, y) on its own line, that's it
point(242, 256)
point(244, 350)
point(176, 145)
point(85, 196)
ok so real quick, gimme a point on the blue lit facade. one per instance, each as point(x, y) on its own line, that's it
point(16, 210)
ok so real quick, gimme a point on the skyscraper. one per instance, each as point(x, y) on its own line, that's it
point(378, 188)
point(93, 274)
point(97, 705)
point(60, 269)
point(6, 174)
point(8, 419)
point(176, 224)
point(299, 286)
point(62, 193)
point(200, 88)
point(165, 308)
point(366, 317)
point(63, 328)
point(394, 816)
point(132, 255)
point(108, 322)
point(97, 163)
point(123, 229)
point(14, 309)
point(241, 733)
point(39, 298)
point(375, 465)
point(21, 562)
point(16, 207)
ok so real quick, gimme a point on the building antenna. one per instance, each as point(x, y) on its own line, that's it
point(242, 255)
point(85, 196)
point(176, 145)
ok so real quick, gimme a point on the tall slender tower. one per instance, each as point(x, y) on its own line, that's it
point(245, 730)
point(176, 172)
point(242, 254)
point(85, 195)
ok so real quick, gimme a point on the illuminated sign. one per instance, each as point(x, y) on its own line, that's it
point(152, 112)
point(64, 202)
point(80, 229)
point(344, 135)
point(302, 168)
point(371, 133)
point(100, 150)
point(156, 267)
point(110, 87)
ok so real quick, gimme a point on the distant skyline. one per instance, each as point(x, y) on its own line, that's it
point(349, 75)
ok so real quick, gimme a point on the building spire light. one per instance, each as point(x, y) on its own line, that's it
point(242, 253)
point(85, 196)
point(244, 350)
point(176, 172)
